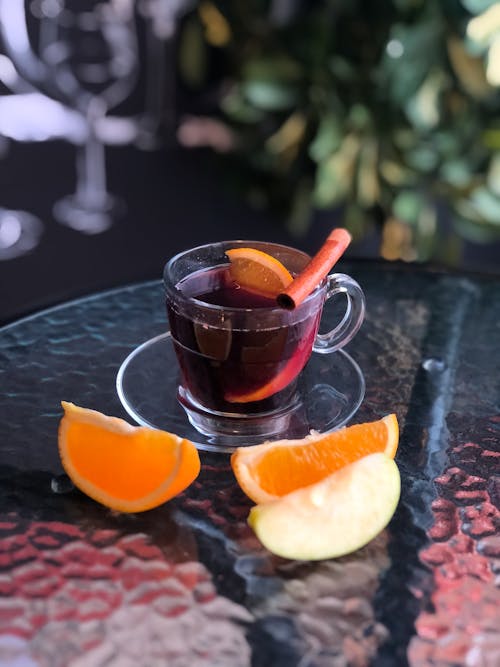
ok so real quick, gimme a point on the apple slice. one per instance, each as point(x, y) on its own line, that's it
point(333, 517)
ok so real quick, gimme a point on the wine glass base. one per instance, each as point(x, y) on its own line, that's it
point(330, 391)
point(20, 233)
point(86, 217)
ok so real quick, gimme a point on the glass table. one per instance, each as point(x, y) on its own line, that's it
point(188, 584)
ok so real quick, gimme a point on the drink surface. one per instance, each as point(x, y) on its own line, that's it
point(215, 287)
point(230, 368)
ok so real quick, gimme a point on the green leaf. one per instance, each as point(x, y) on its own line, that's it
point(367, 183)
point(469, 69)
point(359, 117)
point(331, 184)
point(425, 231)
point(327, 139)
point(491, 139)
point(407, 206)
point(482, 30)
point(487, 204)
point(475, 231)
point(423, 158)
point(334, 176)
point(277, 69)
point(237, 107)
point(405, 138)
point(466, 210)
point(396, 174)
point(270, 96)
point(481, 208)
point(342, 69)
point(493, 178)
point(477, 6)
point(423, 109)
point(287, 139)
point(411, 52)
point(448, 143)
point(270, 83)
point(355, 220)
point(456, 173)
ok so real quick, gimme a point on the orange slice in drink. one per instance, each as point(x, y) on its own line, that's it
point(284, 377)
point(258, 272)
point(289, 372)
point(127, 468)
point(274, 469)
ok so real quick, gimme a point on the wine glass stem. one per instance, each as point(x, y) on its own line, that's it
point(91, 168)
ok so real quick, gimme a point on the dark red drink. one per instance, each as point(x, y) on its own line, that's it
point(227, 363)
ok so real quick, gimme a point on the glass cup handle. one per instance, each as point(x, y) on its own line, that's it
point(339, 283)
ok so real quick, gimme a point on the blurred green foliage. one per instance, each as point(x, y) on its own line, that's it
point(388, 110)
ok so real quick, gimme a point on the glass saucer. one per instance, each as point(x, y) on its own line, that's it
point(329, 392)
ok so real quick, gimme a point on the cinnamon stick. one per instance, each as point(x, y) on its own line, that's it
point(316, 270)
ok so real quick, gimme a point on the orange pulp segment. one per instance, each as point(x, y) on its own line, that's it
point(258, 272)
point(288, 373)
point(127, 468)
point(273, 469)
point(283, 378)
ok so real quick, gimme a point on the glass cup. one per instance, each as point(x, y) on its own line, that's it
point(239, 364)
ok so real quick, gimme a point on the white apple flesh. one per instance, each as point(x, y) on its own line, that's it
point(333, 517)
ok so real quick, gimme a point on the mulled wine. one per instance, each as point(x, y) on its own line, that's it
point(240, 354)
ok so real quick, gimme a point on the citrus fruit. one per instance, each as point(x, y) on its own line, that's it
point(258, 272)
point(213, 342)
point(273, 469)
point(127, 468)
point(333, 517)
point(284, 376)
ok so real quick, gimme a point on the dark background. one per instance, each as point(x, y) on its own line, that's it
point(175, 198)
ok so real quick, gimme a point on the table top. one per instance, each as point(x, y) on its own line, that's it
point(188, 583)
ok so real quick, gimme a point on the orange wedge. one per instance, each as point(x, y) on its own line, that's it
point(258, 272)
point(283, 378)
point(127, 468)
point(274, 469)
point(290, 371)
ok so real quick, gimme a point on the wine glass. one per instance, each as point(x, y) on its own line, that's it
point(92, 53)
point(20, 231)
point(83, 53)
